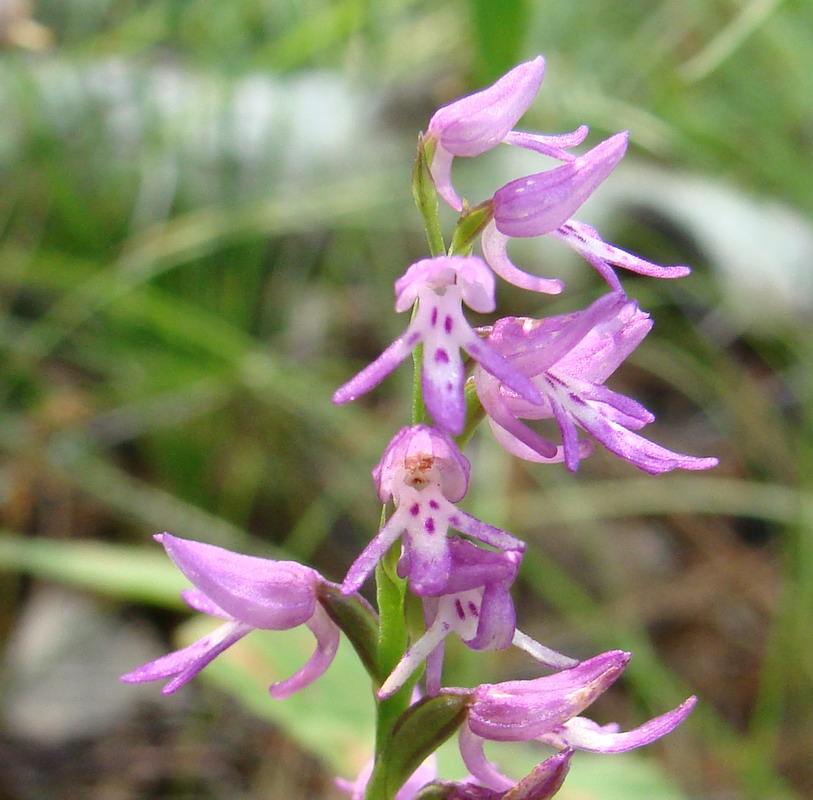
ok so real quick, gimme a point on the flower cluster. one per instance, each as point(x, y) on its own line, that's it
point(460, 569)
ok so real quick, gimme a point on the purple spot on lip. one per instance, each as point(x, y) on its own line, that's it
point(441, 356)
point(454, 520)
point(413, 339)
point(414, 510)
point(473, 610)
point(434, 318)
point(434, 505)
point(429, 525)
point(576, 399)
point(459, 608)
point(448, 324)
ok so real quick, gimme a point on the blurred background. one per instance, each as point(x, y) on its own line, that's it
point(204, 205)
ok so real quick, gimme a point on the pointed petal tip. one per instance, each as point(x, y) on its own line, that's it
point(611, 151)
point(534, 70)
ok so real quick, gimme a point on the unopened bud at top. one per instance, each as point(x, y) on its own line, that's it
point(477, 123)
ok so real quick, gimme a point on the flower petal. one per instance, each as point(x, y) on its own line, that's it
point(480, 121)
point(441, 171)
point(363, 566)
point(641, 452)
point(584, 734)
point(523, 710)
point(549, 144)
point(374, 373)
point(488, 534)
point(418, 456)
point(497, 619)
point(586, 241)
point(327, 643)
point(495, 252)
point(541, 203)
point(183, 665)
point(275, 595)
point(442, 379)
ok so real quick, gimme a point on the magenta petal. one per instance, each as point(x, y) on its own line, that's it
point(492, 362)
point(327, 643)
point(441, 171)
point(549, 144)
point(429, 561)
point(434, 669)
point(586, 241)
point(472, 751)
point(495, 628)
point(469, 273)
point(476, 283)
point(541, 203)
point(646, 455)
point(570, 436)
point(522, 710)
point(521, 450)
point(614, 406)
point(488, 534)
point(584, 734)
point(590, 343)
point(183, 665)
point(500, 415)
point(420, 455)
point(275, 595)
point(442, 379)
point(476, 123)
point(363, 566)
point(374, 373)
point(495, 252)
point(474, 566)
point(198, 601)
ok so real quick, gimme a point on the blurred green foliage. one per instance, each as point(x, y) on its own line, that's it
point(204, 205)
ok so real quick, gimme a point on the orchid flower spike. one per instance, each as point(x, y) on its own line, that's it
point(547, 709)
point(542, 204)
point(568, 358)
point(475, 603)
point(440, 286)
point(249, 593)
point(479, 122)
point(424, 473)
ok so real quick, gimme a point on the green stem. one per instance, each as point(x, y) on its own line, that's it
point(418, 406)
point(426, 198)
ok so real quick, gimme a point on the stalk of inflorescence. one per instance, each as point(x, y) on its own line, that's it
point(391, 590)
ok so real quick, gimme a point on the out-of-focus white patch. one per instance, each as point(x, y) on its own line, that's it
point(62, 669)
point(760, 249)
